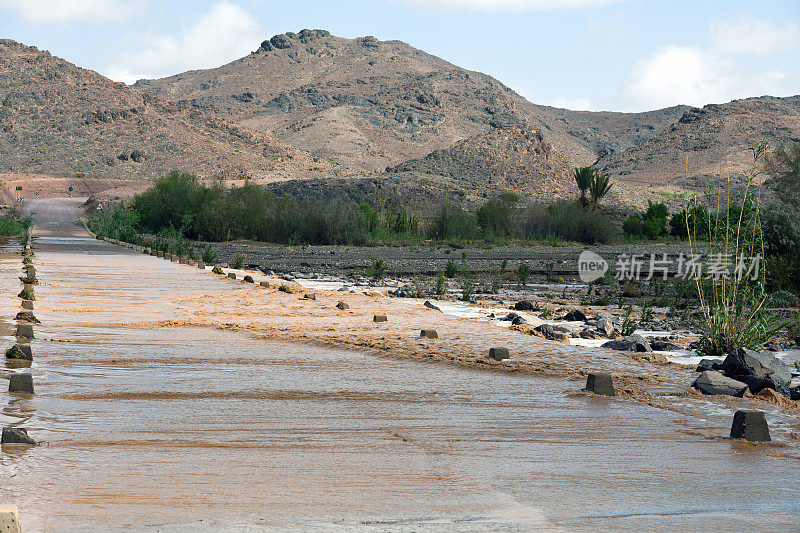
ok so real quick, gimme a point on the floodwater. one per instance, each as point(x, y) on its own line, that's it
point(193, 428)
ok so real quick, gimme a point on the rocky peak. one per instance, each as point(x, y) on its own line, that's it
point(289, 39)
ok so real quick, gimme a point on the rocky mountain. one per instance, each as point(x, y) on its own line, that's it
point(371, 104)
point(512, 157)
point(707, 140)
point(56, 118)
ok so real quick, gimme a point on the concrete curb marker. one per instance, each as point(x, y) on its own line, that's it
point(750, 425)
point(21, 382)
point(600, 384)
point(15, 435)
point(429, 334)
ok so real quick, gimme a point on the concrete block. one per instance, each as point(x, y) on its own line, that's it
point(25, 330)
point(601, 384)
point(20, 351)
point(9, 519)
point(750, 425)
point(159, 254)
point(498, 354)
point(429, 334)
point(21, 382)
point(379, 318)
point(12, 435)
point(342, 306)
point(309, 296)
point(27, 304)
point(232, 275)
point(264, 284)
point(27, 287)
point(191, 262)
point(201, 265)
point(183, 260)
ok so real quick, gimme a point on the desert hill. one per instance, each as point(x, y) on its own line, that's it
point(705, 138)
point(56, 118)
point(371, 104)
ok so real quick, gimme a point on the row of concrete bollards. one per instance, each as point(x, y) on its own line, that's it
point(21, 382)
point(747, 424)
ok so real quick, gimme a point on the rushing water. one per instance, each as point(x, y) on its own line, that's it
point(181, 429)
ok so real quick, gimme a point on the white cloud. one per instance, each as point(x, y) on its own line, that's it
point(695, 76)
point(65, 11)
point(226, 32)
point(753, 36)
point(575, 104)
point(511, 5)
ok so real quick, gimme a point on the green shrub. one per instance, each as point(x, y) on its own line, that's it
point(523, 273)
point(209, 255)
point(239, 262)
point(441, 285)
point(377, 270)
point(450, 269)
point(217, 270)
point(466, 291)
point(651, 224)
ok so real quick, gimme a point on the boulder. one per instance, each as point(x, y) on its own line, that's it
point(575, 316)
point(232, 275)
point(601, 384)
point(342, 306)
point(758, 369)
point(708, 364)
point(12, 435)
point(524, 305)
point(631, 343)
point(21, 382)
point(663, 346)
point(309, 296)
point(518, 320)
point(264, 284)
point(605, 326)
point(498, 354)
point(550, 333)
point(429, 334)
point(713, 382)
point(750, 425)
point(20, 351)
point(281, 42)
point(429, 305)
point(379, 318)
point(25, 330)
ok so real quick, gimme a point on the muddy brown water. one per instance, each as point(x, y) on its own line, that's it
point(195, 428)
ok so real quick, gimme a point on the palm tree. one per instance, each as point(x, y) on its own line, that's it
point(599, 187)
point(583, 178)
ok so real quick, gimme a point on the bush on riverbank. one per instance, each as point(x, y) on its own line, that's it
point(13, 224)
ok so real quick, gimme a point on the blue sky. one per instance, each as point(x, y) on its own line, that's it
point(626, 55)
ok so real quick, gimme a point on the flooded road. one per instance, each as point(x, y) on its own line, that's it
point(186, 428)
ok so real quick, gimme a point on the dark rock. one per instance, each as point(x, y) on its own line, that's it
point(138, 156)
point(16, 436)
point(20, 351)
point(795, 393)
point(21, 382)
point(429, 333)
point(750, 425)
point(708, 364)
point(498, 354)
point(601, 384)
point(713, 382)
point(575, 316)
point(518, 320)
point(663, 346)
point(429, 305)
point(524, 305)
point(232, 275)
point(632, 343)
point(342, 306)
point(509, 317)
point(759, 369)
point(281, 42)
point(264, 284)
point(368, 42)
point(379, 318)
point(310, 296)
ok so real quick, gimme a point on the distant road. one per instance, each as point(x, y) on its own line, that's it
point(55, 216)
